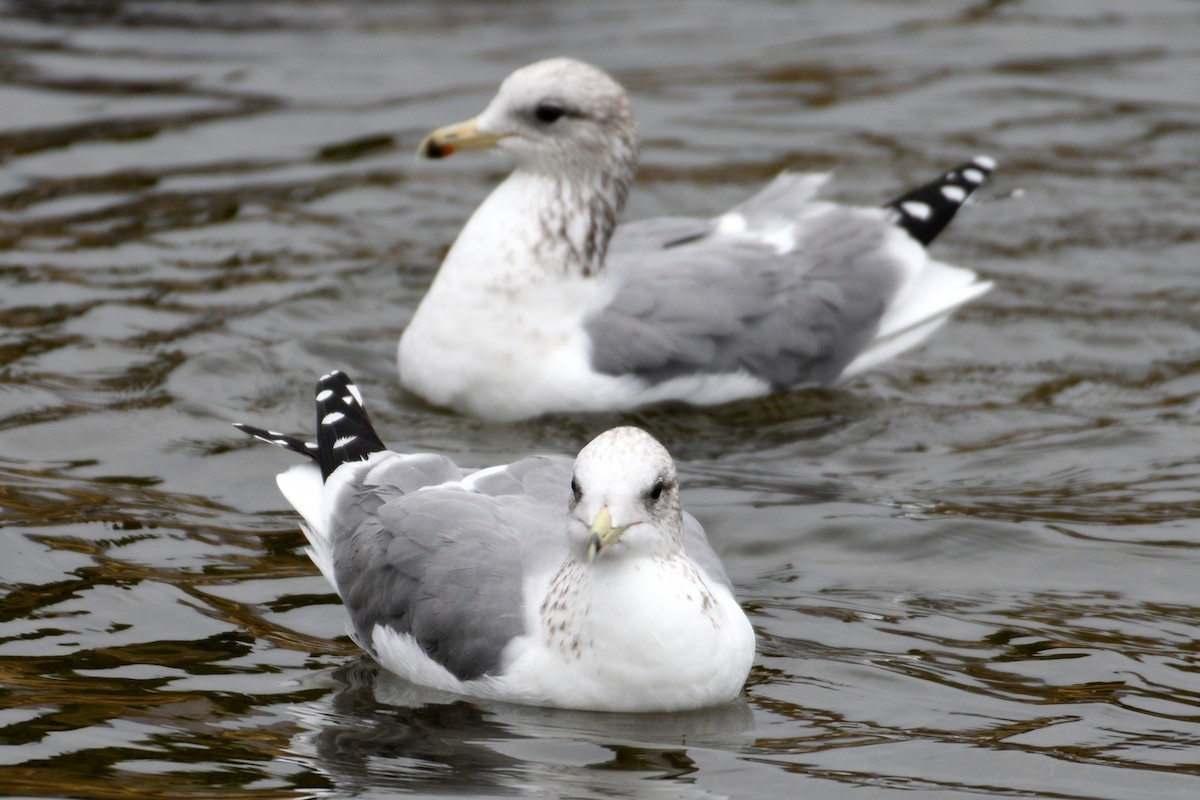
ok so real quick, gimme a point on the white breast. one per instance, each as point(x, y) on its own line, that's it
point(595, 644)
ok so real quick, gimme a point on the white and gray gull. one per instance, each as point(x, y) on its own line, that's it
point(544, 303)
point(580, 585)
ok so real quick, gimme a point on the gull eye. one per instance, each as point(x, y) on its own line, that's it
point(548, 111)
point(576, 492)
point(657, 489)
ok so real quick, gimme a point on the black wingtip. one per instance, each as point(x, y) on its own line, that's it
point(344, 431)
point(281, 439)
point(926, 211)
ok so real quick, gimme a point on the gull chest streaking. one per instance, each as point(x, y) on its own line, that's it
point(580, 585)
point(545, 304)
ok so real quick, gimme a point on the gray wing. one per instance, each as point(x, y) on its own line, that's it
point(695, 543)
point(713, 303)
point(448, 565)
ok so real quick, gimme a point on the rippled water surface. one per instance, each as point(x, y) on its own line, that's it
point(974, 572)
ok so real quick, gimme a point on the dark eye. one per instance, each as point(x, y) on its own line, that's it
point(576, 492)
point(657, 490)
point(548, 111)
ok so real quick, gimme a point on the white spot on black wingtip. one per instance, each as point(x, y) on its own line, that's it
point(354, 391)
point(350, 400)
point(986, 163)
point(973, 176)
point(955, 194)
point(324, 395)
point(783, 240)
point(344, 441)
point(916, 209)
point(332, 418)
point(731, 223)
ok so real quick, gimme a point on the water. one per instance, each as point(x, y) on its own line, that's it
point(972, 572)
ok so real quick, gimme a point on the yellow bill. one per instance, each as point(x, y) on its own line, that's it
point(460, 136)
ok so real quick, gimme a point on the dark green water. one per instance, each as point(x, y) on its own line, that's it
point(974, 572)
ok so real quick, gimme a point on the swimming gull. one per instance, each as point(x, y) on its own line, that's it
point(545, 304)
point(581, 586)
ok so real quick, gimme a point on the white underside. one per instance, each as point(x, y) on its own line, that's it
point(503, 368)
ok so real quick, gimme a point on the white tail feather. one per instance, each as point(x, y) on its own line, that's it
point(928, 299)
point(303, 488)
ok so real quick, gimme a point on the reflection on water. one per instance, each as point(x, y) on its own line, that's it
point(377, 733)
point(972, 573)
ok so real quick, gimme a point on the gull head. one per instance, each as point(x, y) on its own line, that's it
point(558, 115)
point(624, 499)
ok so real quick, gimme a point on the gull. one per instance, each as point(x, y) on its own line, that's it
point(546, 582)
point(545, 304)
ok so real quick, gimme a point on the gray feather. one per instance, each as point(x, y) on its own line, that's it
point(720, 304)
point(446, 565)
point(695, 544)
point(785, 199)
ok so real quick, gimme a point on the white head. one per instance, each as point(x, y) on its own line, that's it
point(624, 499)
point(559, 115)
